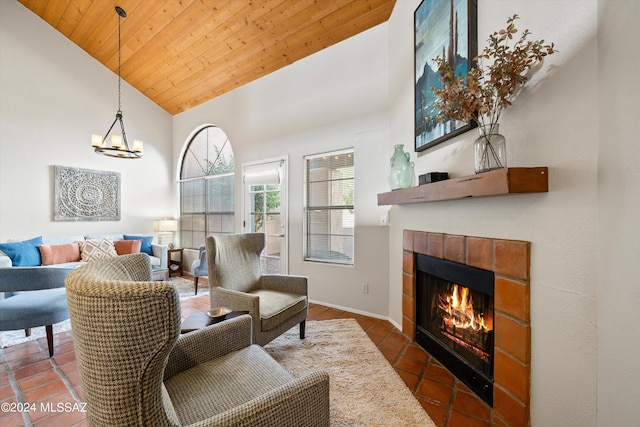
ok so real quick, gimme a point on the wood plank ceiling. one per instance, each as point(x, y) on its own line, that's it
point(181, 53)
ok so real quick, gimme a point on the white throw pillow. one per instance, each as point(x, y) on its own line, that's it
point(97, 249)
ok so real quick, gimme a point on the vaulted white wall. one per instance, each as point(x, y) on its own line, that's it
point(618, 243)
point(53, 96)
point(564, 121)
point(332, 100)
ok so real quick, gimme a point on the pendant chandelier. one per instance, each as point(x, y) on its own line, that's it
point(119, 147)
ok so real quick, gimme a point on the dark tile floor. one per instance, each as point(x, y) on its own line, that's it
point(51, 386)
point(448, 402)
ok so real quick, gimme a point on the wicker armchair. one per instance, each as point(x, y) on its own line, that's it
point(137, 370)
point(276, 302)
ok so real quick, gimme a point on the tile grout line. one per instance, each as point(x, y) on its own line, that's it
point(66, 381)
point(423, 371)
point(16, 390)
point(452, 397)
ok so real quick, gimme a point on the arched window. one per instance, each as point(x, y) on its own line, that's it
point(207, 179)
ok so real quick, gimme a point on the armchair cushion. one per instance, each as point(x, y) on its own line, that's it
point(221, 384)
point(33, 308)
point(276, 306)
point(34, 296)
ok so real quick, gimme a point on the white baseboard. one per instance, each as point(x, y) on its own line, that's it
point(353, 310)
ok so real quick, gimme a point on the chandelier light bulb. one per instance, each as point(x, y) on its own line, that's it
point(116, 141)
point(96, 141)
point(137, 146)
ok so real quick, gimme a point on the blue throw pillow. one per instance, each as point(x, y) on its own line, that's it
point(23, 254)
point(146, 242)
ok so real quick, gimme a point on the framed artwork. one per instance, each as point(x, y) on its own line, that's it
point(86, 195)
point(445, 28)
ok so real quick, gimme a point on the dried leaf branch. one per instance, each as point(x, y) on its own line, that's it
point(485, 91)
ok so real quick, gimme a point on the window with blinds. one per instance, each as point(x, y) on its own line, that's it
point(329, 211)
point(206, 187)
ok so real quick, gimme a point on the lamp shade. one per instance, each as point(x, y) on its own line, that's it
point(116, 141)
point(164, 225)
point(137, 146)
point(96, 140)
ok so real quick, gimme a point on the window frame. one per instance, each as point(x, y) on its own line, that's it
point(205, 215)
point(329, 207)
point(268, 172)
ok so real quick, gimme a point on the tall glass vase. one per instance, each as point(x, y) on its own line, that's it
point(490, 149)
point(401, 169)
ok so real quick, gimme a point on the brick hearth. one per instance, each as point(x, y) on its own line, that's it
point(510, 261)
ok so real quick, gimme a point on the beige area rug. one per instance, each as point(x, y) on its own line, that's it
point(364, 389)
point(186, 289)
point(9, 338)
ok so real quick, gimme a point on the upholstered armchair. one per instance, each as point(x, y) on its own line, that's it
point(34, 296)
point(137, 370)
point(275, 302)
point(199, 267)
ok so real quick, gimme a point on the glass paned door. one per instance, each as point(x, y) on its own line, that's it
point(265, 211)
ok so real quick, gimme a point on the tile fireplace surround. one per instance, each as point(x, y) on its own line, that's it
point(510, 261)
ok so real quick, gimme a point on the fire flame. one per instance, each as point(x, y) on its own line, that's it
point(458, 306)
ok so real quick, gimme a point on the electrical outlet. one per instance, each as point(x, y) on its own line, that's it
point(365, 288)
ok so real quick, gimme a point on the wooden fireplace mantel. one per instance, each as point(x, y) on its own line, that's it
point(499, 182)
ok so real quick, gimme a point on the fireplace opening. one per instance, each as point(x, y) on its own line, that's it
point(454, 320)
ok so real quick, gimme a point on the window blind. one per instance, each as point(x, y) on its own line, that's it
point(329, 208)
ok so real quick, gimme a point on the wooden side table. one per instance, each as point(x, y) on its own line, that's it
point(176, 266)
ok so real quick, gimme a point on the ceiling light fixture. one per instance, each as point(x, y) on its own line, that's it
point(119, 146)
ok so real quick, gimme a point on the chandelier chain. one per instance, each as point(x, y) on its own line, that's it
point(119, 78)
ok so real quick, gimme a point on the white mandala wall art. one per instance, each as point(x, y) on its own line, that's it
point(86, 195)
